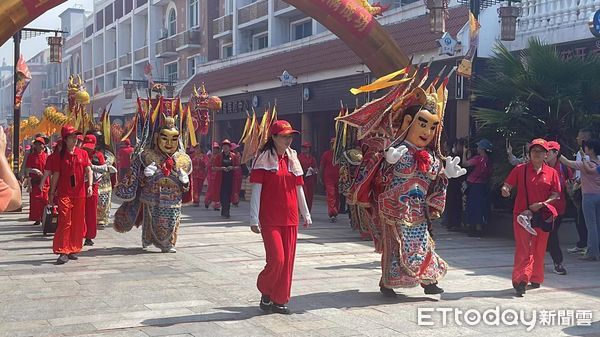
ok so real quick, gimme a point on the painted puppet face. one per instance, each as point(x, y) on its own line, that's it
point(422, 130)
point(168, 141)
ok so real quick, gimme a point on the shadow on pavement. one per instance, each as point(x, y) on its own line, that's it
point(366, 265)
point(583, 330)
point(298, 305)
point(505, 293)
point(116, 251)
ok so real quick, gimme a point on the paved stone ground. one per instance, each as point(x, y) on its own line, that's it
point(208, 287)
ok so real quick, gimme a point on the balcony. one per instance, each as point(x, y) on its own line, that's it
point(253, 11)
point(140, 54)
point(222, 25)
point(88, 74)
point(99, 70)
point(111, 65)
point(125, 60)
point(166, 47)
point(281, 5)
point(188, 39)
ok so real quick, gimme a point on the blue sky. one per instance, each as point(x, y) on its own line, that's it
point(48, 20)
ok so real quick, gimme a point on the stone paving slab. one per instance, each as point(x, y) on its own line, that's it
point(208, 288)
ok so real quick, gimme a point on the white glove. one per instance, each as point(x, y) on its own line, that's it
point(392, 155)
point(452, 169)
point(150, 170)
point(35, 171)
point(100, 168)
point(183, 177)
point(112, 169)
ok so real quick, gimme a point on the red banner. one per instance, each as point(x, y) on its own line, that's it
point(38, 7)
point(355, 18)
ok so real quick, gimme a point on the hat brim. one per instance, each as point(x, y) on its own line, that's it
point(287, 132)
point(539, 145)
point(89, 146)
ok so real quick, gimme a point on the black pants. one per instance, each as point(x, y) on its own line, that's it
point(553, 243)
point(343, 208)
point(226, 187)
point(581, 228)
point(454, 203)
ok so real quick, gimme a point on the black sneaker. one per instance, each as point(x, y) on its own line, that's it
point(432, 289)
point(559, 269)
point(265, 303)
point(387, 292)
point(72, 257)
point(62, 259)
point(37, 223)
point(534, 285)
point(206, 206)
point(520, 288)
point(88, 242)
point(280, 309)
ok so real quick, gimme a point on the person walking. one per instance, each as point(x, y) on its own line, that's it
point(69, 169)
point(124, 158)
point(91, 202)
point(309, 167)
point(538, 186)
point(224, 164)
point(330, 179)
point(478, 190)
point(199, 165)
point(212, 193)
point(590, 189)
point(453, 214)
point(38, 189)
point(277, 194)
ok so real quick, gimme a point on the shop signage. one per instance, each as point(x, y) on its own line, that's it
point(594, 24)
point(235, 106)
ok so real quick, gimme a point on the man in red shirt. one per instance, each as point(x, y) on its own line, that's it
point(69, 169)
point(538, 186)
point(38, 190)
point(330, 178)
point(124, 161)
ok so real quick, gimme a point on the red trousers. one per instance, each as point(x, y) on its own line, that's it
point(280, 247)
point(529, 255)
point(69, 234)
point(197, 186)
point(91, 221)
point(333, 197)
point(38, 199)
point(309, 190)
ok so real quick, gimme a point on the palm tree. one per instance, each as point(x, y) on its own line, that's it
point(536, 93)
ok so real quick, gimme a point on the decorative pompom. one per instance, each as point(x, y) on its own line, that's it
point(422, 160)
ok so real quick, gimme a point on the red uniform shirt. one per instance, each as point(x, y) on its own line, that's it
point(125, 157)
point(72, 171)
point(307, 161)
point(482, 170)
point(331, 172)
point(539, 185)
point(36, 161)
point(278, 199)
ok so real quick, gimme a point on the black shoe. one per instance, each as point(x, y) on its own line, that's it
point(225, 216)
point(206, 206)
point(280, 309)
point(88, 242)
point(265, 303)
point(37, 223)
point(559, 269)
point(196, 205)
point(432, 289)
point(387, 292)
point(62, 259)
point(520, 288)
point(72, 257)
point(217, 209)
point(534, 285)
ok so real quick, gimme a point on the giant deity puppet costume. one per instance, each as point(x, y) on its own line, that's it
point(402, 179)
point(154, 188)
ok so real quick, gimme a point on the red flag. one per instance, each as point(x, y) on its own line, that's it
point(23, 79)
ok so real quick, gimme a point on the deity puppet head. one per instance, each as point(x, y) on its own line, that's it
point(421, 120)
point(167, 139)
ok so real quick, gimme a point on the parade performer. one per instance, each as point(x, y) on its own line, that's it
point(91, 202)
point(309, 167)
point(359, 218)
point(330, 178)
point(38, 188)
point(276, 196)
point(107, 181)
point(199, 163)
point(69, 169)
point(402, 180)
point(154, 188)
point(225, 164)
point(212, 194)
point(538, 187)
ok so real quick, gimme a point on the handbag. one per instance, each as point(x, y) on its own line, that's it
point(537, 220)
point(49, 219)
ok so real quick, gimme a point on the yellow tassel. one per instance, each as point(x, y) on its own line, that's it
point(190, 127)
point(382, 82)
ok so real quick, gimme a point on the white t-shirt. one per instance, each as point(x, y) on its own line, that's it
point(578, 159)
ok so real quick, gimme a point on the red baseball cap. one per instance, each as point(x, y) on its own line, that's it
point(552, 145)
point(306, 144)
point(282, 127)
point(89, 139)
point(68, 130)
point(41, 140)
point(216, 145)
point(540, 142)
point(226, 142)
point(89, 146)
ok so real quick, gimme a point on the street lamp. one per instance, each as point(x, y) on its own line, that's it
point(508, 21)
point(437, 15)
point(55, 43)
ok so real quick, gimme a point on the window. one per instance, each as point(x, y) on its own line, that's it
point(194, 11)
point(108, 14)
point(227, 51)
point(191, 66)
point(128, 6)
point(171, 72)
point(172, 22)
point(118, 9)
point(261, 41)
point(228, 7)
point(99, 20)
point(301, 30)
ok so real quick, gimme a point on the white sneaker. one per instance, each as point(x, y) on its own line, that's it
point(577, 250)
point(525, 222)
